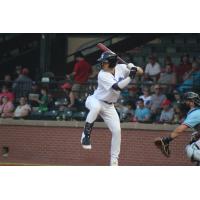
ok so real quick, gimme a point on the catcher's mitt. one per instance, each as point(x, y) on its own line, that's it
point(163, 145)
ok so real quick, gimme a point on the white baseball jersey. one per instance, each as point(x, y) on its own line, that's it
point(104, 91)
point(152, 69)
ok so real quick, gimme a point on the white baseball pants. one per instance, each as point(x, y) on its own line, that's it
point(111, 119)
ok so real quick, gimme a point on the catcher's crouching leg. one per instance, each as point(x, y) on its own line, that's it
point(193, 152)
point(163, 145)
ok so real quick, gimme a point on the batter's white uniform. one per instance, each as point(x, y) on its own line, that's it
point(101, 103)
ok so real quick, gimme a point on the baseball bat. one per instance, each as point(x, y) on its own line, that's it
point(104, 48)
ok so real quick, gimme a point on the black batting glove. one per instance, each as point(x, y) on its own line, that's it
point(133, 72)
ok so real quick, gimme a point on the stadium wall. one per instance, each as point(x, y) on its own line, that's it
point(59, 145)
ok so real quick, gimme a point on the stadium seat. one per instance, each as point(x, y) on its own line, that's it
point(166, 40)
point(158, 48)
point(191, 41)
point(35, 115)
point(138, 60)
point(176, 60)
point(161, 60)
point(147, 50)
point(80, 115)
point(179, 40)
point(170, 50)
point(50, 115)
point(66, 115)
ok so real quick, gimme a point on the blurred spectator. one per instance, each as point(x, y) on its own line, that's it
point(184, 67)
point(23, 109)
point(167, 113)
point(142, 114)
point(8, 81)
point(168, 61)
point(6, 108)
point(125, 109)
point(191, 79)
point(146, 97)
point(22, 85)
point(157, 98)
point(51, 102)
point(18, 71)
point(177, 98)
point(167, 77)
point(132, 93)
point(95, 71)
point(34, 94)
point(81, 73)
point(48, 80)
point(179, 115)
point(152, 70)
point(7, 93)
point(66, 87)
point(42, 101)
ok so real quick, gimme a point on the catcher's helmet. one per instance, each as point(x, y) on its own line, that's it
point(108, 57)
point(193, 97)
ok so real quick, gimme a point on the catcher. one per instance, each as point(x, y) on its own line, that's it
point(192, 121)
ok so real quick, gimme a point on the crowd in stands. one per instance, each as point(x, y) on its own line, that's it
point(155, 97)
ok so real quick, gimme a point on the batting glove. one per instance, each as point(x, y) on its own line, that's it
point(133, 72)
point(130, 65)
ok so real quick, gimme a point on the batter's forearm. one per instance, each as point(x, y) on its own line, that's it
point(122, 84)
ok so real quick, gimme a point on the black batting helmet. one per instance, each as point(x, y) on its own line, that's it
point(108, 57)
point(193, 97)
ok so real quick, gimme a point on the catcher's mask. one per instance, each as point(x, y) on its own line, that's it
point(192, 96)
point(108, 57)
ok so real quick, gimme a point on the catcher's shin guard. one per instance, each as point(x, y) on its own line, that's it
point(85, 139)
point(193, 152)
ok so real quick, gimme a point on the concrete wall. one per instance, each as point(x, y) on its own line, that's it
point(46, 145)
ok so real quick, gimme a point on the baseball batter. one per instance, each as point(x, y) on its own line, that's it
point(192, 120)
point(112, 79)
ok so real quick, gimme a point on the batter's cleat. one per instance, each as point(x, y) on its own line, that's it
point(114, 162)
point(85, 141)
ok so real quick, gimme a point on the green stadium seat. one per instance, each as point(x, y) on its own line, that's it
point(166, 40)
point(67, 115)
point(176, 60)
point(147, 50)
point(138, 60)
point(191, 41)
point(170, 50)
point(79, 115)
point(158, 48)
point(161, 61)
point(178, 40)
point(50, 115)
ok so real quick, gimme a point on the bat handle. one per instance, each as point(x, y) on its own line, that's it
point(121, 60)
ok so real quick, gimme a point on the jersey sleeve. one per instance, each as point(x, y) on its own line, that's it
point(124, 69)
point(192, 120)
point(106, 80)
